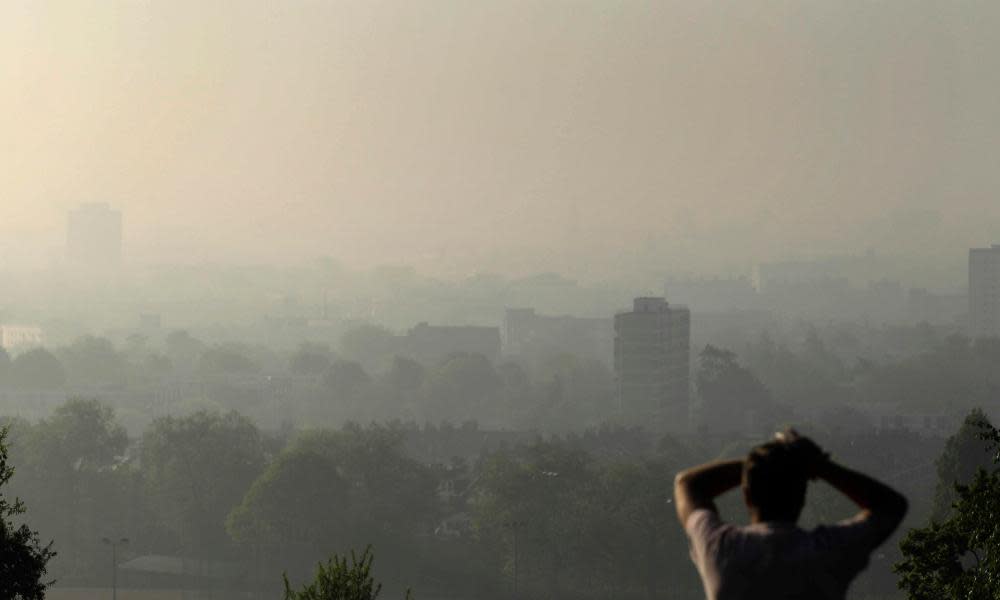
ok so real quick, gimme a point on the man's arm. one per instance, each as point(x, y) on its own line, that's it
point(697, 487)
point(880, 505)
point(877, 500)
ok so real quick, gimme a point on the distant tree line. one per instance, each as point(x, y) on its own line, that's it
point(581, 515)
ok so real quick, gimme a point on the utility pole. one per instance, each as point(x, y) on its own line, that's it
point(514, 527)
point(515, 562)
point(114, 563)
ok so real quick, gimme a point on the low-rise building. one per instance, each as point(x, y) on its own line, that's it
point(430, 344)
point(20, 336)
point(527, 332)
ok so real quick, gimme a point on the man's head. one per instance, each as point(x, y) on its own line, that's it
point(774, 482)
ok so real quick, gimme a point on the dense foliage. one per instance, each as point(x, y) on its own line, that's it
point(959, 556)
point(23, 558)
point(245, 458)
point(339, 579)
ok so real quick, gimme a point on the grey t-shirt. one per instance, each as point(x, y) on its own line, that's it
point(780, 561)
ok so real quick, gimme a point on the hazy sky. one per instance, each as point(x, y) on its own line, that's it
point(505, 135)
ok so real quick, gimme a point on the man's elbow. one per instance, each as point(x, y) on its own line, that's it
point(682, 483)
point(894, 508)
point(899, 506)
point(682, 497)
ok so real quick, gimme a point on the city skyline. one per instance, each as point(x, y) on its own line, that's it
point(465, 139)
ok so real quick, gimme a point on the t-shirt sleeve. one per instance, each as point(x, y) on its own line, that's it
point(704, 530)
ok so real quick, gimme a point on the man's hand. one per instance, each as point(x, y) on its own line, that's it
point(812, 459)
point(881, 505)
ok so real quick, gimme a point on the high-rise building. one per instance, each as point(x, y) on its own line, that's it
point(94, 235)
point(984, 291)
point(652, 364)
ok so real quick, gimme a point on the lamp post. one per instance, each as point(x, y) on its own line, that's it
point(514, 527)
point(114, 563)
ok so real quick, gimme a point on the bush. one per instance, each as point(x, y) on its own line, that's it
point(338, 580)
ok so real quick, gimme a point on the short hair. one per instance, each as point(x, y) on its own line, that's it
point(774, 481)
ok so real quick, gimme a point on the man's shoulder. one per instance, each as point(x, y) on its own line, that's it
point(707, 532)
point(710, 535)
point(704, 521)
point(862, 533)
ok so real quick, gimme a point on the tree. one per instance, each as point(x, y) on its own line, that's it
point(183, 349)
point(93, 361)
point(345, 377)
point(956, 374)
point(340, 580)
point(732, 397)
point(296, 506)
point(23, 558)
point(228, 359)
point(822, 361)
point(4, 366)
point(196, 469)
point(157, 366)
point(337, 490)
point(310, 359)
point(964, 454)
point(638, 530)
point(37, 369)
point(543, 500)
point(370, 345)
point(959, 557)
point(74, 474)
point(814, 377)
point(405, 374)
point(513, 377)
point(581, 391)
point(392, 496)
point(462, 386)
point(582, 527)
point(86, 434)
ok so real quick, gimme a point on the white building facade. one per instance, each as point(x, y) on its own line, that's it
point(20, 336)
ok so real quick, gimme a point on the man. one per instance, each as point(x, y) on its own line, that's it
point(772, 558)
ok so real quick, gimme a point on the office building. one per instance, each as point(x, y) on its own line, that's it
point(652, 364)
point(984, 291)
point(527, 333)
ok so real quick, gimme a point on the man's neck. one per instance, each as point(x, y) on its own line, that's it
point(756, 517)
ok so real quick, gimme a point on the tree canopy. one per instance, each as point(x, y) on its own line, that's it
point(959, 556)
point(37, 369)
point(733, 399)
point(23, 558)
point(299, 501)
point(310, 359)
point(196, 469)
point(965, 453)
point(339, 579)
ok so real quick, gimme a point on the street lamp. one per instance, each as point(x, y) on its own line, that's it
point(114, 563)
point(514, 526)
